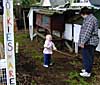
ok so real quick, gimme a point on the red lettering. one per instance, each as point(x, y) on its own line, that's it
point(11, 73)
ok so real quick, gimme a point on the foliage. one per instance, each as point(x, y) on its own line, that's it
point(33, 82)
point(20, 39)
point(26, 3)
point(1, 38)
point(97, 13)
point(75, 79)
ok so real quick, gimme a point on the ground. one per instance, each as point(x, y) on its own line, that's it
point(65, 71)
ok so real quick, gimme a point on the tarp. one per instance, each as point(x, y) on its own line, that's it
point(95, 2)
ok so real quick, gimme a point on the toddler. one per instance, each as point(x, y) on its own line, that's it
point(49, 46)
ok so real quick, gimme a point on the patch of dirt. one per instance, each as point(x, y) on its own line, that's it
point(30, 69)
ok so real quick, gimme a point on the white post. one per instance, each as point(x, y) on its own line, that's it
point(8, 25)
point(17, 47)
point(30, 16)
point(76, 48)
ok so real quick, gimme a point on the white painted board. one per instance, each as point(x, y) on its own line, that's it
point(77, 29)
point(98, 47)
point(68, 32)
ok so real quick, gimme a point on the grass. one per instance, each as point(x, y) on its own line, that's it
point(75, 79)
point(1, 38)
point(21, 39)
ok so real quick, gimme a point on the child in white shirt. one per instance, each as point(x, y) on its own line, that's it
point(49, 46)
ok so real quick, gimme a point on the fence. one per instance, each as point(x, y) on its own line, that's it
point(3, 78)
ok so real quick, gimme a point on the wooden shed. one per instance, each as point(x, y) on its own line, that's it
point(50, 21)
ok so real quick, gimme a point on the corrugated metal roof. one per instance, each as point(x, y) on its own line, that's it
point(53, 3)
point(58, 2)
point(95, 2)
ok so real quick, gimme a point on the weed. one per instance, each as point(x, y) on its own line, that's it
point(75, 79)
point(75, 62)
point(33, 82)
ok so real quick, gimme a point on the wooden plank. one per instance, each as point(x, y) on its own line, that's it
point(39, 34)
point(70, 55)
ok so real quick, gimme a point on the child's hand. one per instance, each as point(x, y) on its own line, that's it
point(54, 48)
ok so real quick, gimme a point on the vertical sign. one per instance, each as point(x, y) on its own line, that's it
point(9, 41)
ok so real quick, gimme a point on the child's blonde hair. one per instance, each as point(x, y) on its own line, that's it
point(48, 37)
